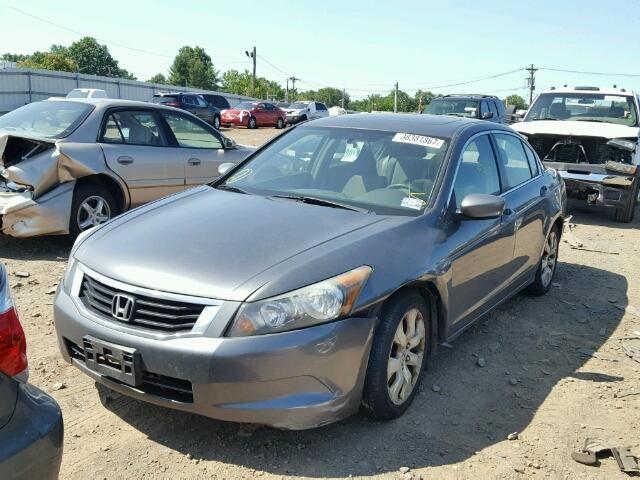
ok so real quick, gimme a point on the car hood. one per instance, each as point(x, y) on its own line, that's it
point(210, 243)
point(575, 129)
point(234, 111)
point(295, 111)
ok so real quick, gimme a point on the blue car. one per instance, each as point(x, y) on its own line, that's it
point(31, 430)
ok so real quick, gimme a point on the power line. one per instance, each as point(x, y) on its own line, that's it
point(635, 75)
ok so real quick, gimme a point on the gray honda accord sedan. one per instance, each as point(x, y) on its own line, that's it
point(316, 277)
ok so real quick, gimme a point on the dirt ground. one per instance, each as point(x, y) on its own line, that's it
point(554, 372)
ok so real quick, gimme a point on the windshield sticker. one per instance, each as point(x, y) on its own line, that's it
point(418, 140)
point(413, 203)
point(352, 151)
point(240, 175)
point(614, 98)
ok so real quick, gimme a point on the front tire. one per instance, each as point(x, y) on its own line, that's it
point(216, 122)
point(547, 265)
point(280, 124)
point(626, 213)
point(91, 206)
point(252, 123)
point(398, 357)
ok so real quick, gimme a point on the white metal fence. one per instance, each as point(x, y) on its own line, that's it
point(19, 86)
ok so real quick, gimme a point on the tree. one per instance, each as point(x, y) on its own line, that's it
point(92, 58)
point(330, 96)
point(517, 101)
point(423, 98)
point(49, 61)
point(158, 78)
point(239, 83)
point(193, 67)
point(13, 57)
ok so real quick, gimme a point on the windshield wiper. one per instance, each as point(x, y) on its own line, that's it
point(230, 188)
point(538, 119)
point(322, 202)
point(590, 120)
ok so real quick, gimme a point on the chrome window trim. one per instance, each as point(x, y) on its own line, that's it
point(211, 306)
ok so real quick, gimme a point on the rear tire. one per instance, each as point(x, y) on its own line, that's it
point(547, 265)
point(252, 123)
point(398, 357)
point(626, 213)
point(92, 205)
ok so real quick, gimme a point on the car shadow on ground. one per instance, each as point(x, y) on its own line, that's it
point(597, 215)
point(54, 248)
point(529, 345)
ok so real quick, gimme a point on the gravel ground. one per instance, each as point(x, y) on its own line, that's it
point(554, 374)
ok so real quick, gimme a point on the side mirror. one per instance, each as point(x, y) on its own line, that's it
point(487, 115)
point(480, 205)
point(229, 143)
point(225, 167)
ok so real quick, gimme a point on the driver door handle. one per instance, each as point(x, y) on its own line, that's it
point(194, 161)
point(125, 160)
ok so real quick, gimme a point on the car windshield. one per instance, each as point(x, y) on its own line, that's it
point(245, 106)
point(382, 172)
point(458, 108)
point(47, 119)
point(283, 104)
point(298, 105)
point(594, 107)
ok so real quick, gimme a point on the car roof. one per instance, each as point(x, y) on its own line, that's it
point(596, 90)
point(111, 102)
point(437, 125)
point(473, 96)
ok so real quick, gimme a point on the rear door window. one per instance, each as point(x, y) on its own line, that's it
point(513, 159)
point(189, 134)
point(533, 161)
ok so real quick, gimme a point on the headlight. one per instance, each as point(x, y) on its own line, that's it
point(67, 280)
point(318, 303)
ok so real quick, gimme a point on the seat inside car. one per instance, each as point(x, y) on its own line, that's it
point(356, 177)
point(406, 164)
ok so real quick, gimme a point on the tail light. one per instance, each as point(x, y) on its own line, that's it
point(172, 104)
point(13, 344)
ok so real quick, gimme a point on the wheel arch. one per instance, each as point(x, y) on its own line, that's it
point(114, 186)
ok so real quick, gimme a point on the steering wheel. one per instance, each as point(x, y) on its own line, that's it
point(399, 185)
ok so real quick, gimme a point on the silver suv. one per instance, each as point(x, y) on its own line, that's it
point(307, 110)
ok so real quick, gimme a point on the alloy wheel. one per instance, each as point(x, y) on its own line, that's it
point(93, 211)
point(549, 258)
point(405, 357)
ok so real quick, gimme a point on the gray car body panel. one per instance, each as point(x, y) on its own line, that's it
point(29, 211)
point(236, 248)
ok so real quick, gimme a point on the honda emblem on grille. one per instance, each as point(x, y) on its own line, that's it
point(122, 307)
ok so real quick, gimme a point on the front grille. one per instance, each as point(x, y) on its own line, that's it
point(148, 312)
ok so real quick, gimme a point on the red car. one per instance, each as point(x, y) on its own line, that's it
point(254, 115)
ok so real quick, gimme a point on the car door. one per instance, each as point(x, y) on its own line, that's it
point(204, 112)
point(199, 149)
point(480, 250)
point(262, 115)
point(525, 196)
point(136, 147)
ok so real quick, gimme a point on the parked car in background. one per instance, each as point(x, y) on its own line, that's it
point(69, 165)
point(31, 429)
point(87, 93)
point(590, 135)
point(254, 115)
point(483, 107)
point(218, 101)
point(192, 103)
point(306, 110)
point(283, 105)
point(337, 257)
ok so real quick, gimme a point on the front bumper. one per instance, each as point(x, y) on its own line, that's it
point(239, 121)
point(609, 190)
point(294, 380)
point(293, 119)
point(22, 216)
point(31, 443)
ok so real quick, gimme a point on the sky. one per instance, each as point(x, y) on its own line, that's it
point(362, 46)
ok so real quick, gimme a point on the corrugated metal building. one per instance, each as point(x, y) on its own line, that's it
point(19, 86)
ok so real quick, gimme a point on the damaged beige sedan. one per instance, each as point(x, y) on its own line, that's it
point(69, 165)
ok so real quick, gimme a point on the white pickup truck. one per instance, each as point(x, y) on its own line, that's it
point(590, 135)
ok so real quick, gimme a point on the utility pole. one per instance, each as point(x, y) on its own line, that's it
point(252, 55)
point(293, 83)
point(342, 102)
point(395, 99)
point(286, 92)
point(531, 81)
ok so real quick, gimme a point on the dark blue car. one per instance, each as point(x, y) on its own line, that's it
point(31, 431)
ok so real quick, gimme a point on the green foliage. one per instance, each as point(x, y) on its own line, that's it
point(13, 57)
point(330, 96)
point(158, 78)
point(49, 61)
point(516, 100)
point(239, 83)
point(193, 67)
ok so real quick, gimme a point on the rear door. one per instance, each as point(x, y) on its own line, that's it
point(481, 249)
point(525, 196)
point(136, 147)
point(199, 149)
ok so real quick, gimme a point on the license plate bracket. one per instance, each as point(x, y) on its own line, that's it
point(114, 361)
